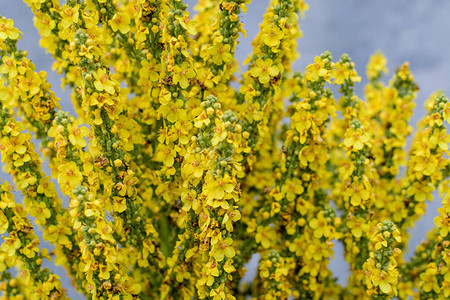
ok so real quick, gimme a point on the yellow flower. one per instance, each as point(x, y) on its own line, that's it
point(340, 73)
point(358, 226)
point(376, 66)
point(181, 129)
point(442, 221)
point(440, 138)
point(403, 71)
point(435, 120)
point(228, 266)
point(26, 180)
point(120, 22)
point(41, 212)
point(306, 156)
point(4, 223)
point(220, 134)
point(141, 33)
point(20, 160)
point(420, 191)
point(92, 209)
point(207, 276)
point(20, 219)
point(358, 193)
point(30, 82)
point(263, 70)
point(31, 249)
point(202, 120)
point(220, 53)
point(292, 188)
point(150, 70)
point(347, 169)
point(9, 66)
point(167, 155)
point(232, 215)
point(69, 176)
point(384, 280)
point(189, 25)
point(190, 200)
point(164, 96)
point(182, 272)
point(218, 188)
point(15, 144)
point(46, 187)
point(320, 227)
point(354, 76)
point(104, 271)
point(44, 24)
point(58, 234)
point(173, 112)
point(5, 93)
point(105, 231)
point(429, 280)
point(85, 51)
point(77, 134)
point(69, 15)
point(219, 293)
point(302, 121)
point(7, 30)
point(316, 70)
point(119, 203)
point(355, 138)
point(266, 236)
point(447, 112)
point(102, 82)
point(11, 244)
point(224, 248)
point(192, 165)
point(182, 74)
point(272, 36)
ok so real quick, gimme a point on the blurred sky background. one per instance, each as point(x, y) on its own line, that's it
point(404, 30)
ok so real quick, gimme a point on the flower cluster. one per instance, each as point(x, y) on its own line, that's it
point(425, 169)
point(21, 249)
point(177, 173)
point(380, 270)
point(41, 200)
point(434, 278)
point(388, 112)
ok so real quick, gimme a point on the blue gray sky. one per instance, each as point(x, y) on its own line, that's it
point(404, 30)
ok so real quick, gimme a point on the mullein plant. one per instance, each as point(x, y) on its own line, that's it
point(176, 178)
